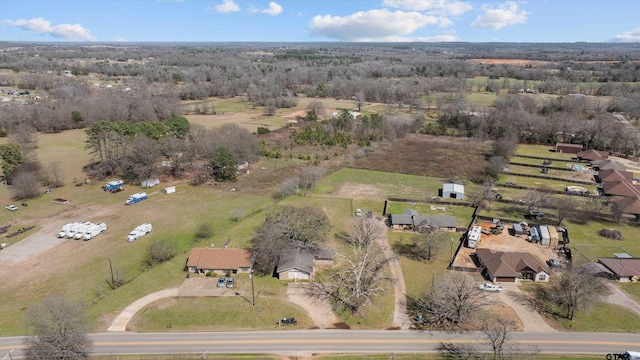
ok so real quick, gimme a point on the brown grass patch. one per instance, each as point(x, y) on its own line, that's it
point(449, 158)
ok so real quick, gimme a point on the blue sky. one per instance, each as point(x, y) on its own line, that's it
point(320, 20)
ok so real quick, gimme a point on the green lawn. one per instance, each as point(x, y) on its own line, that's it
point(218, 314)
point(602, 317)
point(545, 151)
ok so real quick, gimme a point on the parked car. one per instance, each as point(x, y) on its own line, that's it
point(11, 207)
point(553, 262)
point(221, 282)
point(490, 287)
point(230, 282)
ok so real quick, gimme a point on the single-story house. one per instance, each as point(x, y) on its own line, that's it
point(219, 260)
point(401, 221)
point(452, 190)
point(299, 263)
point(295, 264)
point(598, 270)
point(627, 204)
point(511, 266)
point(620, 188)
point(607, 164)
point(423, 223)
point(410, 220)
point(623, 269)
point(614, 175)
point(568, 148)
point(592, 154)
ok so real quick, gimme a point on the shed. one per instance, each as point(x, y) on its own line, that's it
point(517, 229)
point(534, 234)
point(452, 190)
point(169, 190)
point(150, 183)
point(545, 238)
point(568, 148)
point(553, 236)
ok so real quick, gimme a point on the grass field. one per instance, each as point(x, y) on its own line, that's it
point(79, 269)
point(544, 151)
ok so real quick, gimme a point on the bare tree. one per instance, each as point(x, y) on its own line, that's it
point(361, 276)
point(570, 291)
point(55, 175)
point(455, 351)
point(564, 205)
point(59, 329)
point(310, 175)
point(497, 331)
point(596, 205)
point(454, 300)
point(25, 185)
point(289, 187)
point(284, 227)
point(536, 198)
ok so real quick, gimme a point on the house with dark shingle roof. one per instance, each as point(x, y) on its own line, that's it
point(410, 220)
point(614, 175)
point(627, 204)
point(295, 264)
point(300, 263)
point(620, 188)
point(502, 266)
point(219, 260)
point(607, 165)
point(592, 155)
point(623, 269)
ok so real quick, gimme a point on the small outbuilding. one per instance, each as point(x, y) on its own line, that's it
point(568, 148)
point(452, 190)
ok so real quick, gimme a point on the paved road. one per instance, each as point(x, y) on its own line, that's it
point(307, 342)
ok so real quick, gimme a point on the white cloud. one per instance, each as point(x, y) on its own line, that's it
point(273, 10)
point(501, 16)
point(372, 25)
point(227, 6)
point(436, 38)
point(43, 27)
point(627, 36)
point(444, 7)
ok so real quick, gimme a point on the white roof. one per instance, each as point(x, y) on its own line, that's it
point(452, 187)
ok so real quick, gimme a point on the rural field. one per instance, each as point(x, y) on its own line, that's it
point(435, 135)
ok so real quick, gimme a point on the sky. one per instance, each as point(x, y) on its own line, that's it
point(320, 20)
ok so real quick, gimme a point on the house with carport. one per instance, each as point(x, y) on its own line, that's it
point(624, 269)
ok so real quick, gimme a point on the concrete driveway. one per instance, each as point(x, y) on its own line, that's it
point(531, 319)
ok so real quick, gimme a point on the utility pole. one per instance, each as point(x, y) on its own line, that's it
point(253, 292)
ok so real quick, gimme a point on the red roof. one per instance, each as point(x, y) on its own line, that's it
point(509, 264)
point(622, 266)
point(614, 175)
point(568, 148)
point(219, 258)
point(592, 154)
point(622, 188)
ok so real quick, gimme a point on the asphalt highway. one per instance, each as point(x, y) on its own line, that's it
point(332, 341)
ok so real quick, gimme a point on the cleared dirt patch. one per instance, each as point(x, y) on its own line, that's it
point(449, 158)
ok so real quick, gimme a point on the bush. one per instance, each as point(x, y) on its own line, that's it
point(263, 130)
point(204, 231)
point(611, 234)
point(160, 251)
point(211, 274)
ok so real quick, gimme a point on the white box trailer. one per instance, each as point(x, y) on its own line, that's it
point(545, 238)
point(170, 190)
point(473, 237)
